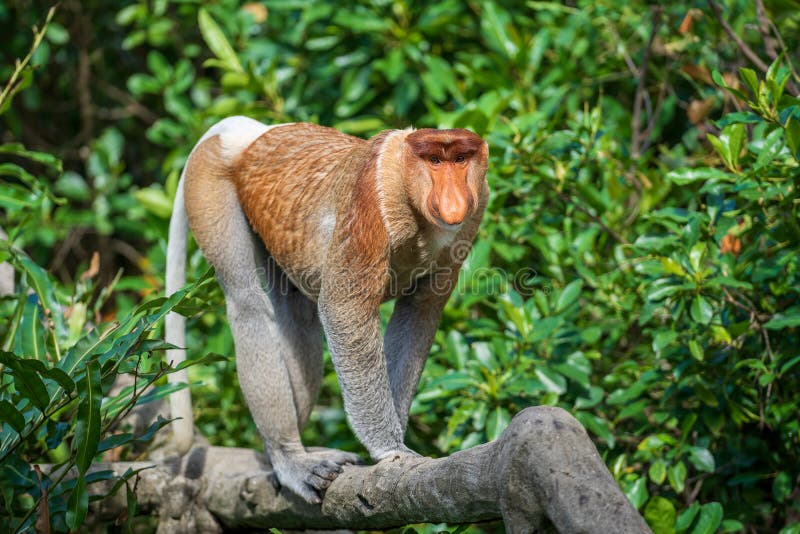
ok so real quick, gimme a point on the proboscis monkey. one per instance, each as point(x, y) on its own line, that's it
point(310, 230)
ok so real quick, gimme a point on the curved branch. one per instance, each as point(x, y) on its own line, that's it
point(542, 474)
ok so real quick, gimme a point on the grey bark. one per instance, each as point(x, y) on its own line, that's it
point(543, 474)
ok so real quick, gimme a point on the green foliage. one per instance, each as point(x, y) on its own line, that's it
point(638, 264)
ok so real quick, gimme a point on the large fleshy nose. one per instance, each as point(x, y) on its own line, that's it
point(450, 200)
point(451, 207)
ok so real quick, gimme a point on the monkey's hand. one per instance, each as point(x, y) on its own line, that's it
point(308, 474)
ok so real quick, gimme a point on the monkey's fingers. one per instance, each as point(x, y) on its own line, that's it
point(320, 478)
point(326, 470)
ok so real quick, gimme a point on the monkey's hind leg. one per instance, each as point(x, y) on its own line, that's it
point(278, 362)
point(279, 359)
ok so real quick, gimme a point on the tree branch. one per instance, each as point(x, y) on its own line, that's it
point(746, 50)
point(543, 474)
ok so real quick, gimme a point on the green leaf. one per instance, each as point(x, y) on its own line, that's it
point(686, 517)
point(494, 23)
point(569, 295)
point(782, 486)
point(696, 255)
point(625, 395)
point(658, 471)
point(597, 426)
point(44, 286)
point(660, 515)
point(87, 428)
point(676, 474)
point(78, 503)
point(732, 525)
point(709, 520)
point(73, 186)
point(217, 42)
point(552, 381)
point(771, 147)
point(31, 336)
point(360, 126)
point(721, 147)
point(27, 382)
point(719, 80)
point(12, 416)
point(154, 200)
point(594, 398)
point(696, 349)
point(744, 117)
point(736, 134)
point(793, 137)
point(686, 175)
point(115, 440)
point(57, 34)
point(18, 149)
point(672, 267)
point(749, 77)
point(496, 422)
point(701, 310)
point(789, 318)
point(60, 377)
point(637, 493)
point(702, 459)
point(663, 339)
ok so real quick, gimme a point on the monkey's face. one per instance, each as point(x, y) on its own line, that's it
point(445, 171)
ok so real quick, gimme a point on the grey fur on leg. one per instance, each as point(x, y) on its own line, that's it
point(278, 343)
point(361, 367)
point(406, 354)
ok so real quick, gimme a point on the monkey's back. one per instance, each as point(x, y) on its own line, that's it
point(286, 181)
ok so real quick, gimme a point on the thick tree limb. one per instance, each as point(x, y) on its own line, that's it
point(543, 474)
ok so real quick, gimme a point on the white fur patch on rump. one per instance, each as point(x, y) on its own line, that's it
point(236, 134)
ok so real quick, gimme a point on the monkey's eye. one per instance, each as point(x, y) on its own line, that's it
point(434, 160)
point(460, 158)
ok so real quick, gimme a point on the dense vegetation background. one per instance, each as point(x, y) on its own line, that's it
point(638, 264)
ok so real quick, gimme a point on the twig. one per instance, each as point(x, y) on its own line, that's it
point(648, 131)
point(38, 35)
point(746, 50)
point(757, 321)
point(764, 29)
point(613, 233)
point(637, 135)
point(786, 55)
point(84, 78)
point(131, 104)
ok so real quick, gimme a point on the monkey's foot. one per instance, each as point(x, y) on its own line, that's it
point(309, 474)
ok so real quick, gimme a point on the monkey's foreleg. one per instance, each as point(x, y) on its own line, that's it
point(356, 348)
point(266, 383)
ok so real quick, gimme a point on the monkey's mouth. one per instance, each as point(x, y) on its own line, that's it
point(447, 226)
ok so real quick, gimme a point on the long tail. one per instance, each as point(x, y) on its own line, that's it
point(175, 329)
point(6, 274)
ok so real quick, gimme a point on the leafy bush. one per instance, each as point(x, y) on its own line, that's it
point(637, 264)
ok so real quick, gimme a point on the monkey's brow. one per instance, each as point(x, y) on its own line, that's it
point(445, 150)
